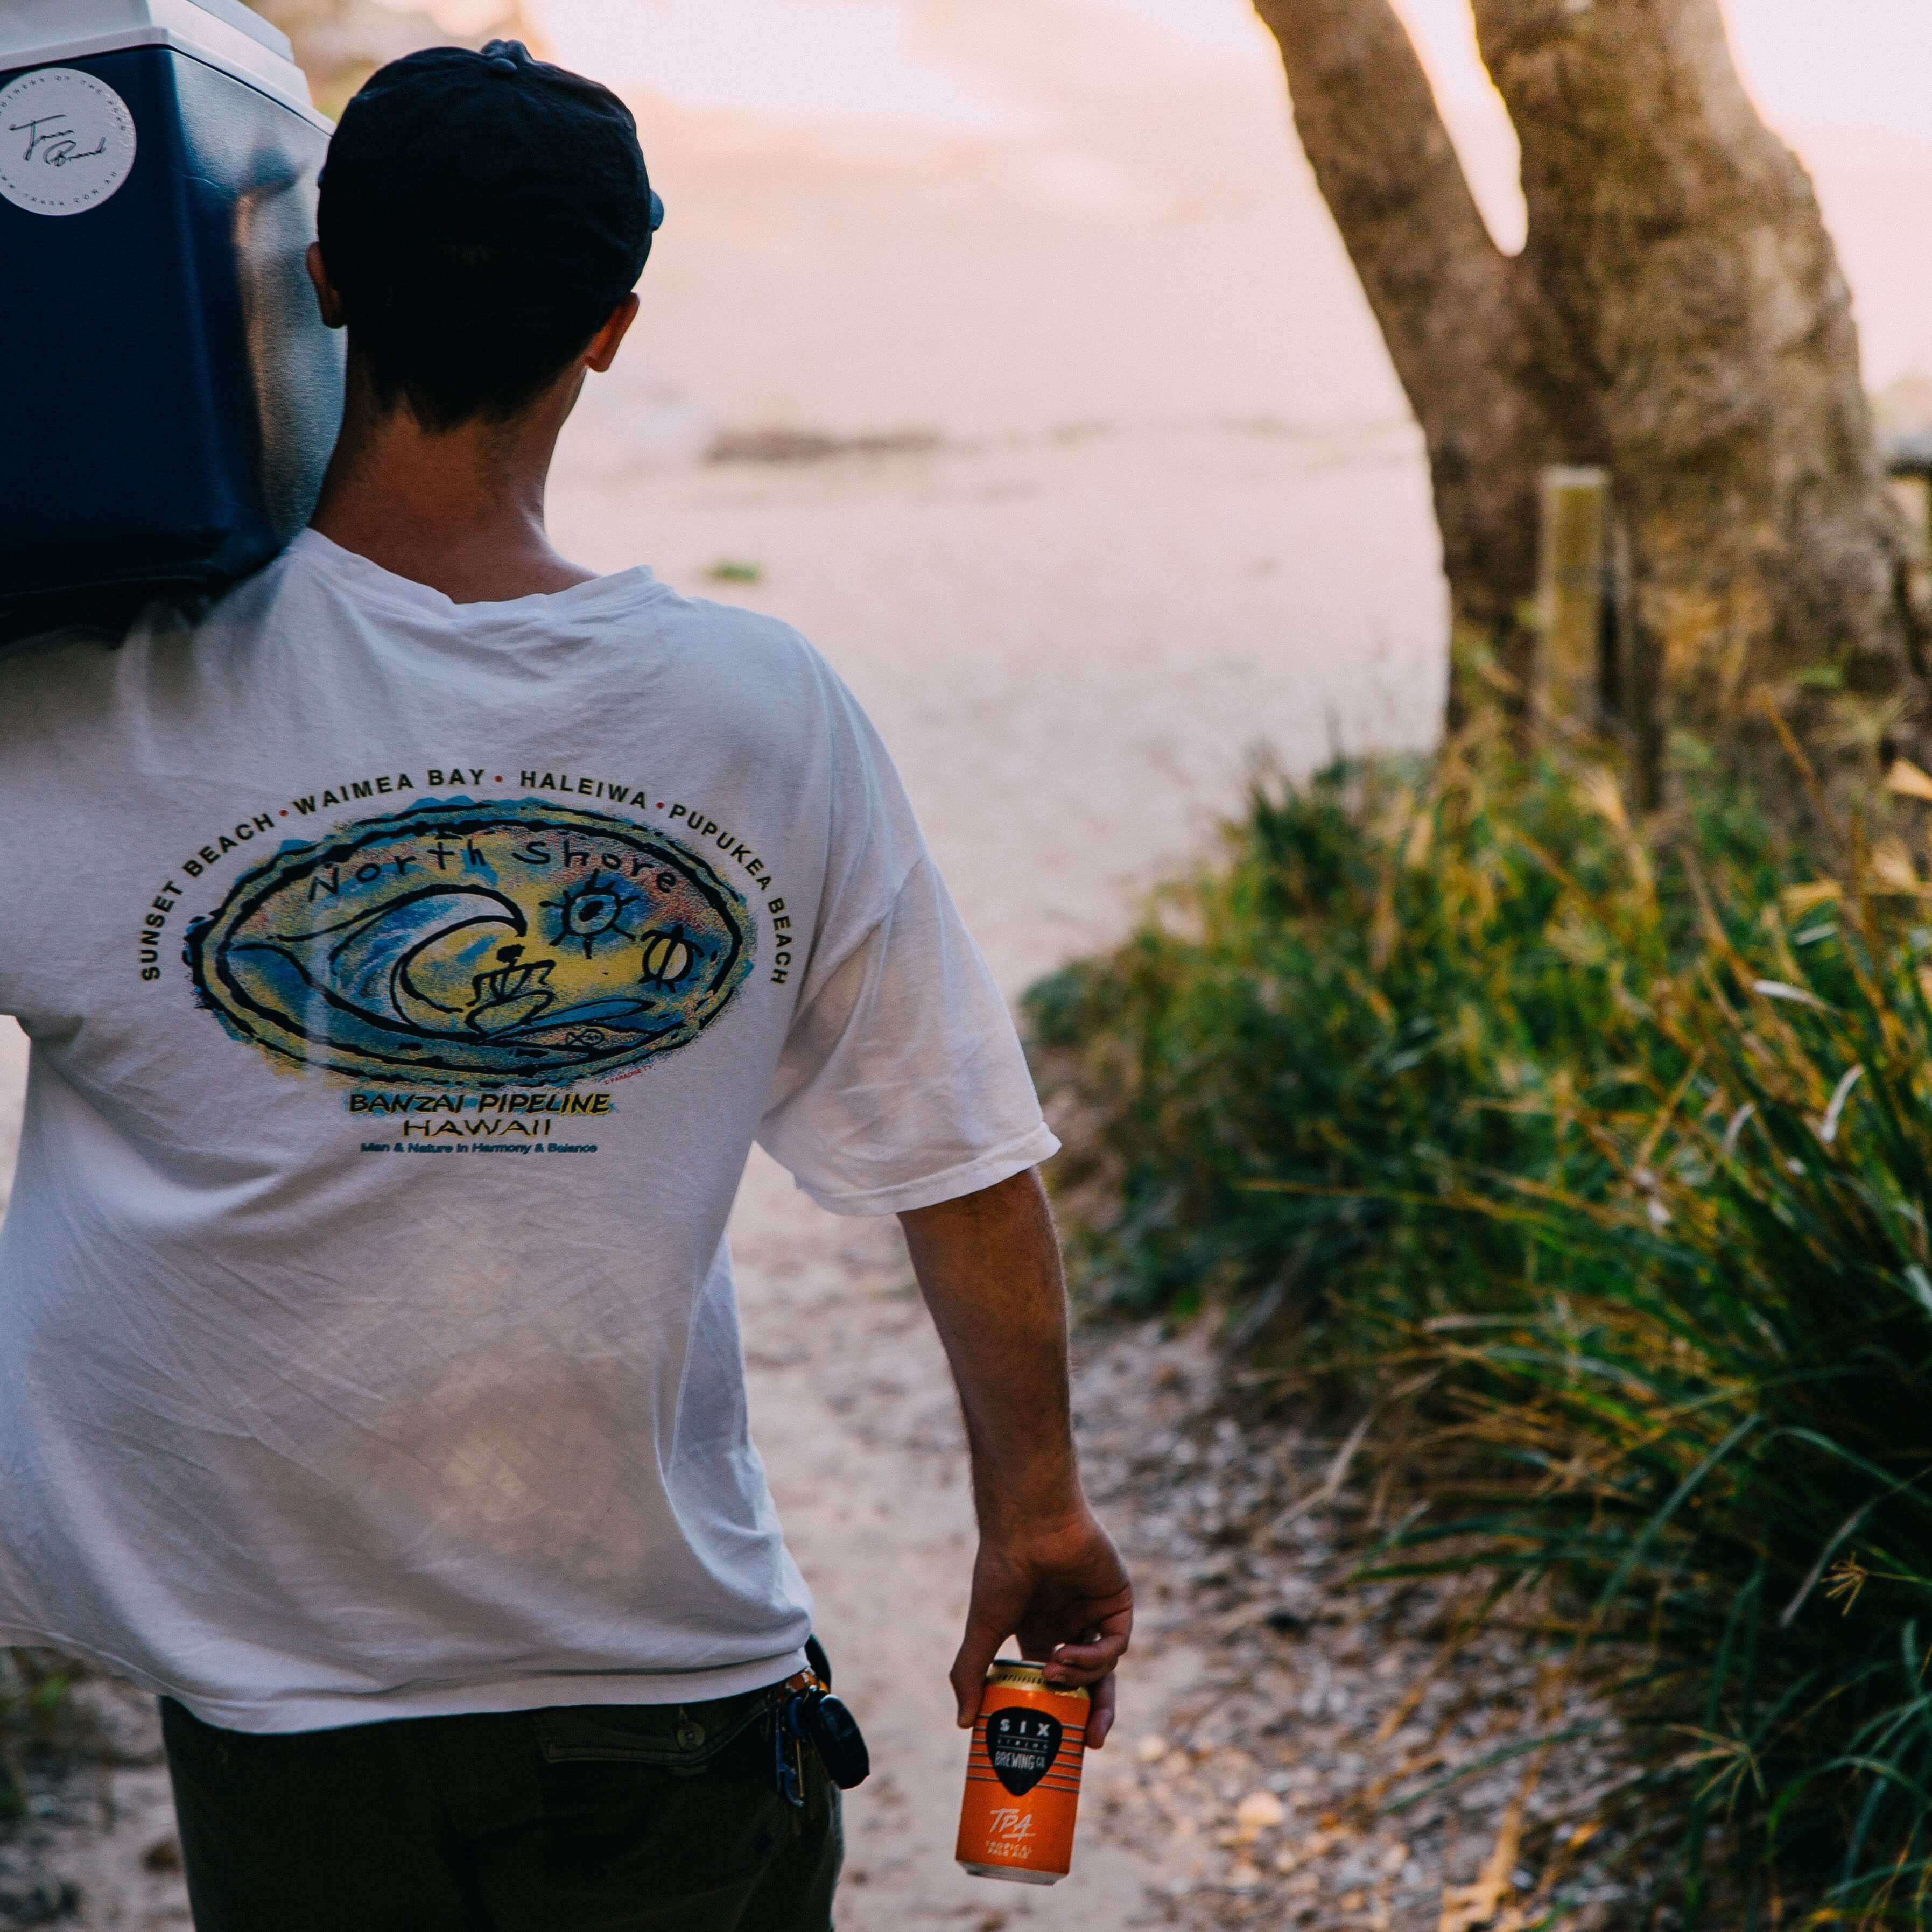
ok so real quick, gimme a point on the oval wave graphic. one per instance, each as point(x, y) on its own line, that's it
point(474, 945)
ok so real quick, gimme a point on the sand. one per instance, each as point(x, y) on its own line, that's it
point(1164, 508)
point(1164, 513)
point(1071, 643)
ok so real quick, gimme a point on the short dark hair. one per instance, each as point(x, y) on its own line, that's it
point(487, 363)
point(481, 215)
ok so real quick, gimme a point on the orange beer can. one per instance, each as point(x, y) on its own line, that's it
point(1023, 1777)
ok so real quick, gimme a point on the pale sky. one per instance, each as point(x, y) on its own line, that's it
point(1845, 81)
point(1846, 65)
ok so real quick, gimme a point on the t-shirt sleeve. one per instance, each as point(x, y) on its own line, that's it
point(902, 1083)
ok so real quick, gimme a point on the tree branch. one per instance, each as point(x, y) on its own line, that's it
point(1462, 326)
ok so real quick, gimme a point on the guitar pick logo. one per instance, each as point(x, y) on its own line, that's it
point(1022, 1744)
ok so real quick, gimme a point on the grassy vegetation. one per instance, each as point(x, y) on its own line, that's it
point(1618, 1140)
point(1397, 976)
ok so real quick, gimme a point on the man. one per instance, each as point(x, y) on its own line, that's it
point(412, 946)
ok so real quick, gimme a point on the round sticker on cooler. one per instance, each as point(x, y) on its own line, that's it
point(67, 141)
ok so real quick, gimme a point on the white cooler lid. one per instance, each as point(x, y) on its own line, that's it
point(224, 33)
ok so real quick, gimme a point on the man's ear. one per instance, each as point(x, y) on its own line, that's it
point(333, 314)
point(605, 343)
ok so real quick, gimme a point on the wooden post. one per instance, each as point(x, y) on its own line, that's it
point(1572, 554)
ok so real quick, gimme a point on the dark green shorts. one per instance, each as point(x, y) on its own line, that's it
point(583, 1818)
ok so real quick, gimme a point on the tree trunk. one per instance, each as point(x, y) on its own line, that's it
point(1679, 245)
point(1677, 314)
point(1462, 321)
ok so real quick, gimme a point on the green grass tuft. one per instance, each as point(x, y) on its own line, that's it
point(1398, 972)
point(1617, 1139)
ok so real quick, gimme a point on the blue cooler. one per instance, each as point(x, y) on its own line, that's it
point(171, 393)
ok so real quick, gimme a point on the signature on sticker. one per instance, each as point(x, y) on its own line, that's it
point(54, 133)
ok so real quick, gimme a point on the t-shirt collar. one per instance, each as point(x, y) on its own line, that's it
point(541, 610)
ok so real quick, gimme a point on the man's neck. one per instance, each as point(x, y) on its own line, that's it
point(460, 510)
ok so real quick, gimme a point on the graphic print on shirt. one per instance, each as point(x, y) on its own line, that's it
point(461, 944)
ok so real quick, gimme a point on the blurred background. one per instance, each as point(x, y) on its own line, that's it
point(1011, 352)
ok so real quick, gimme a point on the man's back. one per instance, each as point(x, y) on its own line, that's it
point(412, 948)
point(408, 980)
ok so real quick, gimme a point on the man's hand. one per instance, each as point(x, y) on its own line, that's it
point(988, 1265)
point(1064, 1593)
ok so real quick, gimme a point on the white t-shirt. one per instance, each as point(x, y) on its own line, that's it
point(407, 982)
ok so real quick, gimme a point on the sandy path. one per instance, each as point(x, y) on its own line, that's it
point(1071, 645)
point(1135, 556)
point(855, 1417)
point(1070, 684)
point(1069, 694)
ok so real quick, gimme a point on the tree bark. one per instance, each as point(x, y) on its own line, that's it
point(1679, 245)
point(1678, 314)
point(1462, 320)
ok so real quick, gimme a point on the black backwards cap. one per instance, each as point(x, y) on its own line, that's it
point(487, 190)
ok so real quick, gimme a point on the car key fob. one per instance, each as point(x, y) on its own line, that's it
point(836, 1735)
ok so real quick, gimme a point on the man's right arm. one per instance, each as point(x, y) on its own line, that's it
point(988, 1265)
